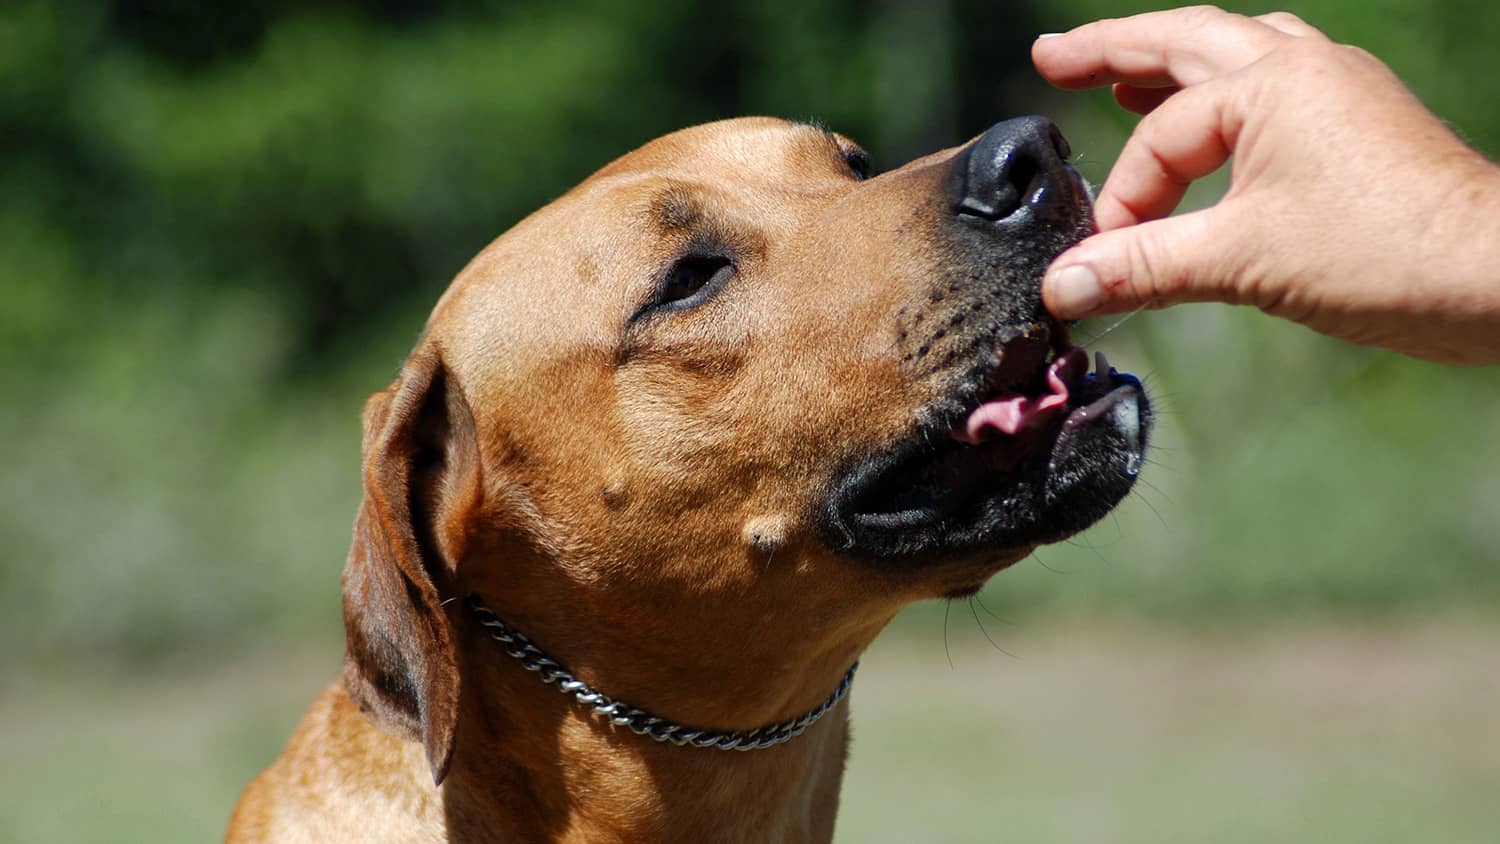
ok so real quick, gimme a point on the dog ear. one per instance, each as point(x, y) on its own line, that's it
point(420, 483)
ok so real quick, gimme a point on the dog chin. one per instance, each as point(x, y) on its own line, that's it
point(1014, 472)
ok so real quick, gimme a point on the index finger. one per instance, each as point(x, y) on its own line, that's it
point(1178, 47)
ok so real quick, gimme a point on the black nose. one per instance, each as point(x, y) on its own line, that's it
point(1018, 171)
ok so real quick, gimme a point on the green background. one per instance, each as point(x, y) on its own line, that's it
point(222, 227)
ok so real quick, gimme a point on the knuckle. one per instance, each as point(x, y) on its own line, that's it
point(1359, 54)
point(1298, 53)
point(1318, 58)
point(1283, 18)
point(1205, 15)
point(1205, 11)
point(1140, 282)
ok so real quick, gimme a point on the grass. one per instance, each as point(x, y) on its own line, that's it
point(1099, 734)
point(1090, 733)
point(147, 758)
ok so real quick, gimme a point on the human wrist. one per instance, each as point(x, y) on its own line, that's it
point(1470, 234)
point(1457, 272)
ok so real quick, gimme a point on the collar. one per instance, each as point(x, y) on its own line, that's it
point(638, 720)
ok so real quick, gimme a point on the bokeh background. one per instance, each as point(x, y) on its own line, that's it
point(222, 225)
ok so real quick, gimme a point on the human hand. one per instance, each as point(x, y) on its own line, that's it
point(1351, 208)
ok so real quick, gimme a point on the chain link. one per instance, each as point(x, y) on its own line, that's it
point(638, 720)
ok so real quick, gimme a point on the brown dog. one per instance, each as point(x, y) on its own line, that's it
point(698, 429)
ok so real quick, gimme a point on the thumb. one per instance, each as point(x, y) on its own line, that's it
point(1156, 264)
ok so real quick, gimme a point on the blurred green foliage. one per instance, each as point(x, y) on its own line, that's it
point(222, 227)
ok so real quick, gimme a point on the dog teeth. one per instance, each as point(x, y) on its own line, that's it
point(1102, 370)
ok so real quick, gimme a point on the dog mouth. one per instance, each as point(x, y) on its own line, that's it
point(1063, 398)
point(1041, 447)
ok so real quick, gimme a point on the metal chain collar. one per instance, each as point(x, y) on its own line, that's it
point(638, 720)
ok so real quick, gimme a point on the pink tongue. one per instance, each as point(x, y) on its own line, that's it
point(1013, 412)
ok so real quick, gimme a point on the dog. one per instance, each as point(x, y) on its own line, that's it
point(667, 457)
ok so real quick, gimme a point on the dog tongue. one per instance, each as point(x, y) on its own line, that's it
point(1012, 413)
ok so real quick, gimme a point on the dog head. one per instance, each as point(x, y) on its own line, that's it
point(728, 392)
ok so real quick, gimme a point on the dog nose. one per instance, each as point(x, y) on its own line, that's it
point(1018, 171)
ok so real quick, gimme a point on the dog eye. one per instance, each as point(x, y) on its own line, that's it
point(859, 163)
point(692, 280)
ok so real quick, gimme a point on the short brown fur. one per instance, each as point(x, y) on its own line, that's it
point(637, 495)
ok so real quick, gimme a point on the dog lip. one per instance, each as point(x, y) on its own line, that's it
point(1122, 402)
point(913, 517)
point(934, 495)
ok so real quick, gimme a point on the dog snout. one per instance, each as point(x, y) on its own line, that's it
point(1017, 174)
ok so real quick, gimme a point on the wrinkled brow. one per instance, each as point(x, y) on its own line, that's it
point(840, 146)
point(681, 216)
point(838, 143)
point(674, 209)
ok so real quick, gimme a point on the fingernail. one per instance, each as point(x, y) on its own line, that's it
point(1048, 35)
point(1075, 291)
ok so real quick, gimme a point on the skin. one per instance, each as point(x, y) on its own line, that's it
point(1351, 208)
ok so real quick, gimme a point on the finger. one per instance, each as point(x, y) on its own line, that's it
point(1290, 24)
point(1178, 47)
point(1141, 100)
point(1188, 136)
point(1156, 264)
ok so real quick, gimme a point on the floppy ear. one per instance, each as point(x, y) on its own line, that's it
point(420, 483)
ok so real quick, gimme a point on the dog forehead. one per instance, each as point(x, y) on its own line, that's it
point(533, 290)
point(747, 148)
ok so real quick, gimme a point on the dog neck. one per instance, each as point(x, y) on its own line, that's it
point(531, 765)
point(619, 713)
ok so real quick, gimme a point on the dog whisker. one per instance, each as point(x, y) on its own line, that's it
point(1156, 489)
point(1158, 465)
point(1116, 324)
point(1043, 563)
point(990, 612)
point(947, 608)
point(1152, 507)
point(986, 633)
